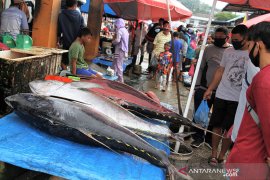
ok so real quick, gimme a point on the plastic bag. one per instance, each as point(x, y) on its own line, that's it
point(201, 115)
point(191, 70)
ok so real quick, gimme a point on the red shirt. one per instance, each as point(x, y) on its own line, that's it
point(165, 62)
point(252, 145)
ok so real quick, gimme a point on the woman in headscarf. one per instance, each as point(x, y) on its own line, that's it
point(121, 48)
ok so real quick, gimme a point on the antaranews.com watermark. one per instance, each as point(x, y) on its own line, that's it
point(223, 172)
point(241, 170)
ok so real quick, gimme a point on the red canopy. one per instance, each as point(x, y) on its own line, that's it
point(258, 19)
point(259, 4)
point(148, 9)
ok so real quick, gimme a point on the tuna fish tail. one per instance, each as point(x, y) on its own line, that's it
point(174, 173)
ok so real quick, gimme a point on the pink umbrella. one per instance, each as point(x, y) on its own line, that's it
point(258, 4)
point(253, 21)
point(148, 9)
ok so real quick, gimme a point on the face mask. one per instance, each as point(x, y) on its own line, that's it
point(157, 30)
point(255, 60)
point(219, 42)
point(237, 45)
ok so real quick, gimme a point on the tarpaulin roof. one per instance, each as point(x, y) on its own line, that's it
point(243, 8)
point(259, 4)
point(107, 9)
point(148, 9)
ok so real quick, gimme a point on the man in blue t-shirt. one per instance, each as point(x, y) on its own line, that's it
point(176, 54)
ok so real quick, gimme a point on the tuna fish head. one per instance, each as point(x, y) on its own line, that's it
point(27, 102)
point(44, 87)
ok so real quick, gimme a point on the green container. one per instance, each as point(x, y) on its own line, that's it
point(8, 40)
point(24, 41)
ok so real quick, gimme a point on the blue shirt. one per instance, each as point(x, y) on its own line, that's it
point(190, 52)
point(13, 20)
point(177, 49)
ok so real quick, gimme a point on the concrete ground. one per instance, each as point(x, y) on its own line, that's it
point(198, 163)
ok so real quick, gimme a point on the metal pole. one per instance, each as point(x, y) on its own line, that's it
point(197, 70)
point(174, 58)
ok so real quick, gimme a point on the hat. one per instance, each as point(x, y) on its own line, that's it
point(17, 1)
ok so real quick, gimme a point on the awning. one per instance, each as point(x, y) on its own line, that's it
point(242, 8)
point(148, 9)
point(258, 4)
point(258, 19)
point(107, 9)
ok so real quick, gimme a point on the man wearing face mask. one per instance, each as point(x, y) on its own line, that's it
point(210, 62)
point(252, 145)
point(150, 37)
point(228, 78)
point(251, 72)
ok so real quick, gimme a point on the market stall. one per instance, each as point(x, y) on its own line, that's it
point(20, 66)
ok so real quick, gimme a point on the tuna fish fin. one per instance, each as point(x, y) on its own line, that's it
point(90, 136)
point(182, 174)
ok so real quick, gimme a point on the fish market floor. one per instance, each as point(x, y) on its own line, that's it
point(199, 160)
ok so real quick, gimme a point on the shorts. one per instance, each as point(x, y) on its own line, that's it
point(85, 72)
point(223, 114)
point(186, 65)
point(149, 47)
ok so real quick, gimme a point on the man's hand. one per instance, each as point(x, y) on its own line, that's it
point(207, 94)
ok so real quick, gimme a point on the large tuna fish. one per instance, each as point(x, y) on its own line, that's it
point(76, 122)
point(77, 91)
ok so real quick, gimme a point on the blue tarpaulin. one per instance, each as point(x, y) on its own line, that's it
point(24, 146)
point(105, 62)
point(107, 9)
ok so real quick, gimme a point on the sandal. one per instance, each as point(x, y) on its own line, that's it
point(212, 161)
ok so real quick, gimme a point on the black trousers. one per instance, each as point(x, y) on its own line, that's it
point(200, 134)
